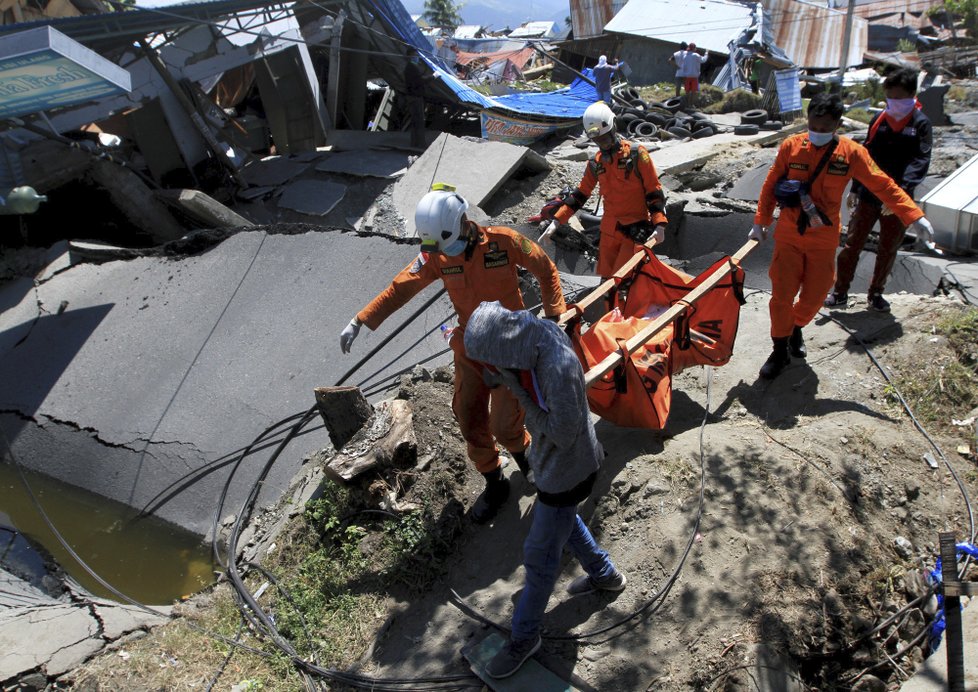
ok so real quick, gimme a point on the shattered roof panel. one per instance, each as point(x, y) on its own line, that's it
point(710, 24)
point(811, 35)
point(588, 17)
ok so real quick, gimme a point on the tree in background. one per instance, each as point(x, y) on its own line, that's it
point(442, 13)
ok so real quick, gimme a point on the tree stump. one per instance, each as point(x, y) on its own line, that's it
point(344, 410)
point(388, 440)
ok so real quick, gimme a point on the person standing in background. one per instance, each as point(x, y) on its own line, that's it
point(692, 63)
point(602, 78)
point(677, 60)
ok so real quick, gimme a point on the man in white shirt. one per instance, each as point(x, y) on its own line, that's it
point(692, 62)
point(677, 60)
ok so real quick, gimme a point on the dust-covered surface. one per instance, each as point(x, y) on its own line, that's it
point(764, 532)
point(808, 482)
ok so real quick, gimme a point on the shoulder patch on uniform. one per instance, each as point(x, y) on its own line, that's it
point(525, 245)
point(643, 154)
point(419, 262)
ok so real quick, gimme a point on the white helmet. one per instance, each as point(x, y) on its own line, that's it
point(438, 218)
point(598, 119)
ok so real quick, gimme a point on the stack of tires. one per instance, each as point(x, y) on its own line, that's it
point(756, 120)
point(642, 120)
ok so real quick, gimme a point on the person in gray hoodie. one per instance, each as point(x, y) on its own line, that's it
point(534, 359)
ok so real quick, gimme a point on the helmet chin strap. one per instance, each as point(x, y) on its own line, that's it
point(470, 231)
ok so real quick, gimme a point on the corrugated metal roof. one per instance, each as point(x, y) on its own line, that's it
point(812, 35)
point(896, 12)
point(533, 29)
point(588, 17)
point(710, 24)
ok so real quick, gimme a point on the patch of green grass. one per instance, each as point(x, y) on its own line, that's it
point(944, 384)
point(736, 101)
point(860, 114)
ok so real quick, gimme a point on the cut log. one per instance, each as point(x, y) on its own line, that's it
point(344, 410)
point(388, 440)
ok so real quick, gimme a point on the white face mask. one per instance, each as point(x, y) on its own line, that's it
point(455, 248)
point(820, 139)
point(900, 108)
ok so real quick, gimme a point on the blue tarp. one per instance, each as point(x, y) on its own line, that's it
point(569, 102)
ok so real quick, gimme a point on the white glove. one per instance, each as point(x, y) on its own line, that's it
point(548, 228)
point(925, 233)
point(851, 201)
point(757, 232)
point(886, 211)
point(348, 334)
point(659, 234)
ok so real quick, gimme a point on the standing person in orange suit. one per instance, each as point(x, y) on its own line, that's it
point(807, 181)
point(634, 203)
point(475, 264)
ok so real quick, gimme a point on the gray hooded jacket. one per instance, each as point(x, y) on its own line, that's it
point(565, 452)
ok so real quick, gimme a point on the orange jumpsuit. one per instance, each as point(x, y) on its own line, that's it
point(490, 274)
point(806, 262)
point(632, 192)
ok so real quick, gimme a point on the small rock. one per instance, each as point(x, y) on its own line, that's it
point(869, 683)
point(653, 488)
point(443, 374)
point(420, 374)
point(844, 440)
point(741, 411)
point(903, 547)
point(912, 490)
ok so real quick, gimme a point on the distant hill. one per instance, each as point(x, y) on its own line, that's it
point(498, 14)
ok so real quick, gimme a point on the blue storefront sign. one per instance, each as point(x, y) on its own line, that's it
point(42, 69)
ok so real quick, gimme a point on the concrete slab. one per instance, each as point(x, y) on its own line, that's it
point(376, 164)
point(314, 197)
point(476, 167)
point(969, 119)
point(160, 366)
point(677, 156)
point(273, 170)
point(932, 675)
point(358, 140)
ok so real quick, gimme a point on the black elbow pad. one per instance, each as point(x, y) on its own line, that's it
point(656, 201)
point(575, 200)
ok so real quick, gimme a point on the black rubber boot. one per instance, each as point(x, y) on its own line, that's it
point(778, 359)
point(796, 344)
point(492, 498)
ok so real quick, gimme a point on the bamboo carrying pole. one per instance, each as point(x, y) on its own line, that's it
point(668, 317)
point(605, 286)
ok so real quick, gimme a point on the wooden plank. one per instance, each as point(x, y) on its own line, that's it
point(531, 677)
point(606, 286)
point(668, 317)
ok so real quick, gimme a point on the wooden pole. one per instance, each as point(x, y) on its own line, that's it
point(605, 286)
point(846, 39)
point(612, 360)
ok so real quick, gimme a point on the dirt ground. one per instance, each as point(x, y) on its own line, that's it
point(807, 483)
point(763, 532)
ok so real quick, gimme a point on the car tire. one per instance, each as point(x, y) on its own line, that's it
point(750, 129)
point(755, 116)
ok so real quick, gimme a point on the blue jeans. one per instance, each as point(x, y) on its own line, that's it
point(605, 95)
point(552, 529)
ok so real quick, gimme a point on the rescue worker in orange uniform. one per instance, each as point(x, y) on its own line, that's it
point(475, 264)
point(816, 165)
point(634, 203)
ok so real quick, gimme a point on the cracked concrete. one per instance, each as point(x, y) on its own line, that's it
point(50, 636)
point(161, 365)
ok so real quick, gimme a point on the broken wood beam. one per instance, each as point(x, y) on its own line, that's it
point(612, 360)
point(344, 410)
point(388, 440)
